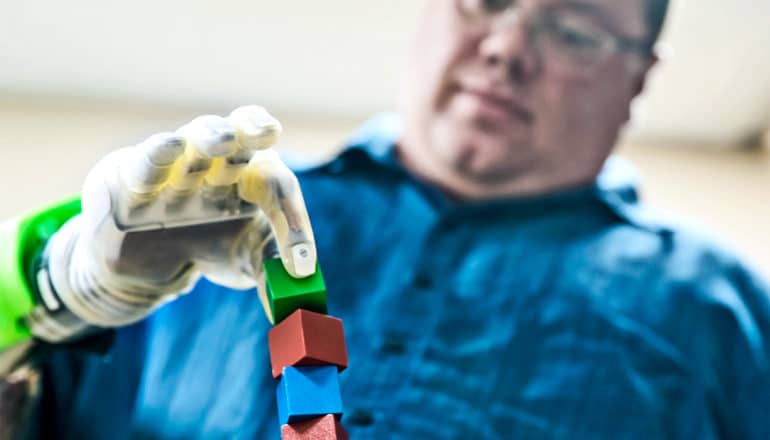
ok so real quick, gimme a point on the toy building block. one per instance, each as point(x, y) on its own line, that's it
point(307, 338)
point(322, 428)
point(286, 294)
point(308, 392)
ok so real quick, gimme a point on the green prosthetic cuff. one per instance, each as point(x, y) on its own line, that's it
point(21, 239)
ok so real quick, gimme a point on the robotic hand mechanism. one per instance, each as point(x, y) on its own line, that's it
point(211, 199)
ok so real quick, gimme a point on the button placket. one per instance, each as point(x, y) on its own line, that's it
point(360, 417)
point(422, 313)
point(412, 314)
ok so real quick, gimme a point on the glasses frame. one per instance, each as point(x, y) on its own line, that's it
point(535, 25)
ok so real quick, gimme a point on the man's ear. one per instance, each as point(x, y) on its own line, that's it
point(644, 73)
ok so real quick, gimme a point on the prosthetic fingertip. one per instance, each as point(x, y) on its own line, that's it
point(212, 135)
point(258, 129)
point(304, 261)
point(163, 149)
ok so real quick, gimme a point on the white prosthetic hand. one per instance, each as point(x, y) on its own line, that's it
point(211, 199)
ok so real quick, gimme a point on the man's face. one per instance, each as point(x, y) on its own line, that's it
point(491, 96)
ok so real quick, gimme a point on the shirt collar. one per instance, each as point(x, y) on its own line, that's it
point(378, 136)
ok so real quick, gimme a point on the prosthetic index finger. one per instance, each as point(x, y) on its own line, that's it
point(268, 183)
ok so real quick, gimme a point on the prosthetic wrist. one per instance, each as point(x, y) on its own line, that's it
point(74, 297)
point(21, 242)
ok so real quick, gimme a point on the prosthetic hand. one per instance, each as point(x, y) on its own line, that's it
point(211, 199)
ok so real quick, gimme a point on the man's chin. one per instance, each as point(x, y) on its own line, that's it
point(480, 154)
point(488, 165)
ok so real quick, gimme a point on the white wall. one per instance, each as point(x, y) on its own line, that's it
point(715, 89)
point(343, 56)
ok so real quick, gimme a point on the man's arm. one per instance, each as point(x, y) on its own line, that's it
point(21, 240)
point(211, 199)
point(19, 397)
point(742, 355)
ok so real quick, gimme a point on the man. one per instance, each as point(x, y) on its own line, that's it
point(496, 274)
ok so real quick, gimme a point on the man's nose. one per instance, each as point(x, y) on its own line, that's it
point(508, 48)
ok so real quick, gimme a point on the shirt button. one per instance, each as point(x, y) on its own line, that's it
point(392, 345)
point(359, 417)
point(423, 281)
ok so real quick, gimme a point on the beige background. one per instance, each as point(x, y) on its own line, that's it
point(342, 57)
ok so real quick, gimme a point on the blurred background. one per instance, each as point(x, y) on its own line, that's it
point(82, 77)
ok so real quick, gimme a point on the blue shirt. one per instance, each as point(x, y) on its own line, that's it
point(573, 315)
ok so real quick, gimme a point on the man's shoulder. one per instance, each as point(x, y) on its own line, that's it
point(671, 273)
point(648, 237)
point(374, 141)
point(680, 289)
point(663, 249)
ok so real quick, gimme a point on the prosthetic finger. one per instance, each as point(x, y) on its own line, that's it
point(148, 164)
point(208, 138)
point(255, 130)
point(268, 183)
point(262, 292)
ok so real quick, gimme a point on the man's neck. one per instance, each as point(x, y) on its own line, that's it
point(529, 183)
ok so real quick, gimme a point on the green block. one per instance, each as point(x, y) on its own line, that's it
point(287, 294)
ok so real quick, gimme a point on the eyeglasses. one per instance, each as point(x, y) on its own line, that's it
point(568, 40)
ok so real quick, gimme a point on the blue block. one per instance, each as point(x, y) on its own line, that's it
point(308, 392)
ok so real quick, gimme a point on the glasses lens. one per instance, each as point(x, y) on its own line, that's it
point(493, 6)
point(483, 8)
point(574, 43)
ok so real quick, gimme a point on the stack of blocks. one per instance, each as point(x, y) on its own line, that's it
point(307, 352)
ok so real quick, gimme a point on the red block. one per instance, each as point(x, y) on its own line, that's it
point(322, 428)
point(307, 338)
